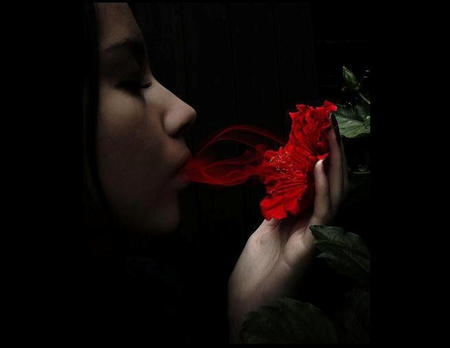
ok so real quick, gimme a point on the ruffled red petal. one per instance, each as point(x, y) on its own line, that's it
point(288, 172)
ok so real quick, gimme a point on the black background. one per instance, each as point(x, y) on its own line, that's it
point(239, 63)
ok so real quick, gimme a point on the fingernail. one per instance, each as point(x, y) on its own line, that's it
point(336, 128)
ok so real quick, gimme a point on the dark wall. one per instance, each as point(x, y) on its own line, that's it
point(342, 37)
point(239, 63)
point(235, 64)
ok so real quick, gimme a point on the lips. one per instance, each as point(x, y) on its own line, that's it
point(181, 163)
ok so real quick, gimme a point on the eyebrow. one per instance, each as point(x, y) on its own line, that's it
point(126, 44)
point(116, 55)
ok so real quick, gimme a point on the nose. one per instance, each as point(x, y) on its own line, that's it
point(179, 118)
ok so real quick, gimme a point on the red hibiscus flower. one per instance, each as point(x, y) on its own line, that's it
point(288, 173)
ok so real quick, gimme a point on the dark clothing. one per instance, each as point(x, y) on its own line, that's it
point(135, 301)
point(169, 291)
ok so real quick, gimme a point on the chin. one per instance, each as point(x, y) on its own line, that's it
point(165, 223)
point(164, 218)
point(157, 223)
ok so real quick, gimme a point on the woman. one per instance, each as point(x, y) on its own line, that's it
point(133, 150)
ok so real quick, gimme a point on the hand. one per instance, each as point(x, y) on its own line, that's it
point(277, 254)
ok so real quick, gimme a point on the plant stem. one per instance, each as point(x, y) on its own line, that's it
point(364, 98)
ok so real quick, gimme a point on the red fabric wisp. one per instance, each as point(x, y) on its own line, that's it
point(204, 167)
point(287, 173)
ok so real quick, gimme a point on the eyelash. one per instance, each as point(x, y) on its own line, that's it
point(135, 85)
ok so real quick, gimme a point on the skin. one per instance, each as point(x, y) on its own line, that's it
point(140, 130)
point(278, 253)
point(140, 147)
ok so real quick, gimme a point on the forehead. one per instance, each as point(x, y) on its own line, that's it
point(116, 23)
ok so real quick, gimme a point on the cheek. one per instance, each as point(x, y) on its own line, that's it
point(130, 156)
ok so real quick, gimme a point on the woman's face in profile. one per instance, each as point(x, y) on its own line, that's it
point(139, 142)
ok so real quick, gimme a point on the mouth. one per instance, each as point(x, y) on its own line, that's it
point(180, 164)
point(183, 159)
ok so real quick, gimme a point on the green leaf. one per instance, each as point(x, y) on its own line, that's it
point(345, 251)
point(353, 320)
point(288, 321)
point(353, 123)
point(348, 111)
point(362, 111)
point(350, 79)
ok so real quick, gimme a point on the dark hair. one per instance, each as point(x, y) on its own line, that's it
point(96, 216)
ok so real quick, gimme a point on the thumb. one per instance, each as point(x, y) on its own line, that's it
point(322, 201)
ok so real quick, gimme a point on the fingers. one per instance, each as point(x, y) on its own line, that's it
point(330, 189)
point(336, 174)
point(344, 171)
point(322, 202)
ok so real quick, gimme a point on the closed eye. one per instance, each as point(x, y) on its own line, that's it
point(134, 85)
